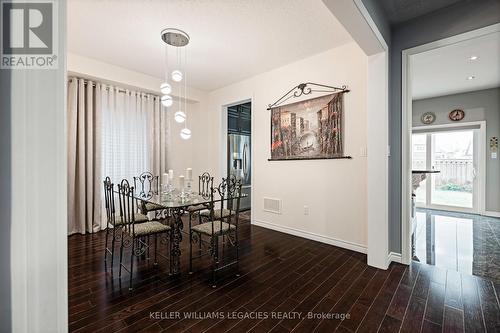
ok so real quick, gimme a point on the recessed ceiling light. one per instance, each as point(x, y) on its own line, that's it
point(472, 77)
point(473, 58)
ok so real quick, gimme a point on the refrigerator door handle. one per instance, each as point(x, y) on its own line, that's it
point(245, 168)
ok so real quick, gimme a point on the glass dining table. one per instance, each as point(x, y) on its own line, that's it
point(170, 207)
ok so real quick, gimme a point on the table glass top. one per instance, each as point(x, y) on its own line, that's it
point(176, 200)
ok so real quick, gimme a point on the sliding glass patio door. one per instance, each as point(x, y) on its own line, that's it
point(454, 154)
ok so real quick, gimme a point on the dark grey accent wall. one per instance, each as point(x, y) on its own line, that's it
point(462, 17)
point(478, 105)
point(378, 16)
point(5, 201)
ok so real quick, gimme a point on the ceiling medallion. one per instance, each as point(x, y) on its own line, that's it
point(175, 37)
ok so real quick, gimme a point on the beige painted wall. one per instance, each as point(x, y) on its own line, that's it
point(334, 190)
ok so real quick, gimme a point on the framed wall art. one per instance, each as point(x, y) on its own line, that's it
point(308, 129)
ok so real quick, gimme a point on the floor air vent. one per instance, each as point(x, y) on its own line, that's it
point(272, 205)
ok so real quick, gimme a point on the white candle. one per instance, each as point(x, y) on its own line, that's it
point(171, 174)
point(181, 182)
point(189, 174)
point(164, 179)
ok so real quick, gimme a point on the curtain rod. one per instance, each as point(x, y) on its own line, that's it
point(86, 82)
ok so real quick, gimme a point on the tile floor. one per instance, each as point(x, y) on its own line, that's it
point(466, 243)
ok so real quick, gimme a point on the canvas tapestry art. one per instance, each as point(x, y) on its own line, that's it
point(310, 129)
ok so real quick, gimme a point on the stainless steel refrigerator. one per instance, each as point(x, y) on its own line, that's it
point(240, 164)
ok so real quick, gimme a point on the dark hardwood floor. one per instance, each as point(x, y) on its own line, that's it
point(283, 279)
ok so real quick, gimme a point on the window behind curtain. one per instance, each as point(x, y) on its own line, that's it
point(124, 135)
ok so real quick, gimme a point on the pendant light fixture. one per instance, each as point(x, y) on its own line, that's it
point(185, 133)
point(177, 39)
point(180, 117)
point(177, 75)
point(165, 88)
point(167, 100)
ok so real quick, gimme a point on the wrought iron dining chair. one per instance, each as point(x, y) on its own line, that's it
point(147, 185)
point(222, 230)
point(205, 185)
point(220, 213)
point(114, 221)
point(136, 235)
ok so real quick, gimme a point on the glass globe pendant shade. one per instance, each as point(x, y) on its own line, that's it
point(167, 100)
point(186, 133)
point(180, 117)
point(177, 75)
point(165, 88)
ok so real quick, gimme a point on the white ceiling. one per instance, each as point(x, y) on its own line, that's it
point(230, 39)
point(444, 71)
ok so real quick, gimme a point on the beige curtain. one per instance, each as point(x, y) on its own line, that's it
point(111, 132)
point(157, 129)
point(84, 157)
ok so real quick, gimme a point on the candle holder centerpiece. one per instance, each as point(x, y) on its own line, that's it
point(167, 183)
point(189, 181)
point(182, 188)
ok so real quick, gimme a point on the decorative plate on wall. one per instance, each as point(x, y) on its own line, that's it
point(428, 118)
point(456, 115)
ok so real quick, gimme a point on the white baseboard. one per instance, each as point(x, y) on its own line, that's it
point(393, 257)
point(491, 213)
point(312, 236)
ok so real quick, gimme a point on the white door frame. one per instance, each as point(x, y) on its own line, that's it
point(406, 127)
point(480, 195)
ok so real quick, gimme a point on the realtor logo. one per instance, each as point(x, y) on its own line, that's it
point(28, 37)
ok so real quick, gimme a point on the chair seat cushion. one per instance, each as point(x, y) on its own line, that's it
point(196, 208)
point(219, 227)
point(139, 218)
point(152, 206)
point(218, 213)
point(149, 228)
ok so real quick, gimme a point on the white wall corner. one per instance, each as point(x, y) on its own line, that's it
point(353, 15)
point(39, 256)
point(355, 18)
point(378, 134)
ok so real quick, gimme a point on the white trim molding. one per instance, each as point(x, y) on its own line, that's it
point(406, 126)
point(393, 257)
point(490, 213)
point(312, 236)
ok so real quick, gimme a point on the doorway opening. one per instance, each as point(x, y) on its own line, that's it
point(239, 148)
point(451, 120)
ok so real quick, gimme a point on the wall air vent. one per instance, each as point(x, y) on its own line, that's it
point(272, 205)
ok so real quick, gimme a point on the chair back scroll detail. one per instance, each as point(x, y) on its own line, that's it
point(147, 185)
point(229, 191)
point(109, 202)
point(205, 185)
point(127, 208)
